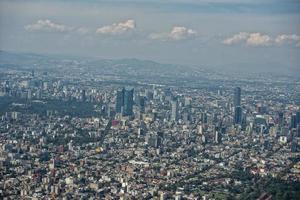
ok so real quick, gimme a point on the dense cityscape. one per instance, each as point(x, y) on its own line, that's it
point(149, 100)
point(68, 130)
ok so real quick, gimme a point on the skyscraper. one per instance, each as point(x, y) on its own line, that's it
point(237, 106)
point(128, 103)
point(298, 117)
point(218, 137)
point(142, 103)
point(280, 117)
point(238, 115)
point(124, 102)
point(237, 97)
point(174, 110)
point(120, 100)
point(293, 121)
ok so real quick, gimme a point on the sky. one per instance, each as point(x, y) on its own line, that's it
point(245, 35)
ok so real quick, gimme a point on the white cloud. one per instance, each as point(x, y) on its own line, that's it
point(117, 28)
point(288, 39)
point(242, 36)
point(257, 39)
point(180, 32)
point(250, 39)
point(177, 33)
point(47, 25)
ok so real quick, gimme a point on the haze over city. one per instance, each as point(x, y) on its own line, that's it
point(150, 99)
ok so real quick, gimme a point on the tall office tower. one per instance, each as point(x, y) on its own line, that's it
point(294, 121)
point(237, 106)
point(280, 118)
point(218, 137)
point(120, 100)
point(238, 115)
point(174, 110)
point(244, 122)
point(142, 103)
point(298, 117)
point(298, 131)
point(128, 103)
point(237, 97)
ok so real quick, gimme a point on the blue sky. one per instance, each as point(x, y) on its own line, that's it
point(221, 34)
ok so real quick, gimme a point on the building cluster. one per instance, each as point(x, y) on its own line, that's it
point(144, 141)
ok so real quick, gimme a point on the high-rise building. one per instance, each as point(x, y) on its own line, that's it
point(174, 110)
point(280, 118)
point(298, 131)
point(124, 102)
point(294, 121)
point(120, 100)
point(218, 137)
point(128, 102)
point(238, 115)
point(142, 103)
point(237, 97)
point(298, 117)
point(237, 106)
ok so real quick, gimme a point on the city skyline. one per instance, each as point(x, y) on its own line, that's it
point(150, 99)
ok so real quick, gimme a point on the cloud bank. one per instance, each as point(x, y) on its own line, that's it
point(237, 38)
point(117, 28)
point(177, 33)
point(288, 39)
point(47, 25)
point(259, 39)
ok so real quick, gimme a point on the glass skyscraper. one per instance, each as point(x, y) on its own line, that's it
point(174, 110)
point(120, 100)
point(128, 103)
point(237, 106)
point(124, 102)
point(237, 97)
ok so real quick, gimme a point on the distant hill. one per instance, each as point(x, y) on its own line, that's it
point(19, 58)
point(130, 66)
